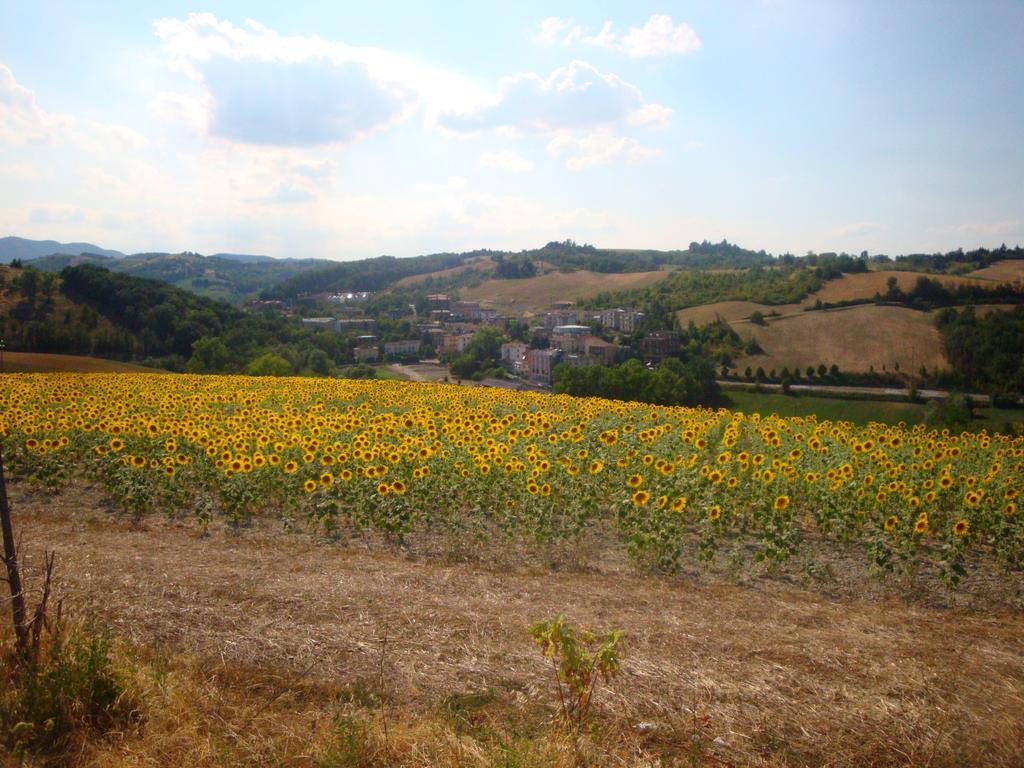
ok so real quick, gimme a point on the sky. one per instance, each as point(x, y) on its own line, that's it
point(349, 129)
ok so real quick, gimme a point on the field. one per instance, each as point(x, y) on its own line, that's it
point(1008, 271)
point(37, 362)
point(853, 338)
point(301, 568)
point(861, 412)
point(867, 284)
point(535, 294)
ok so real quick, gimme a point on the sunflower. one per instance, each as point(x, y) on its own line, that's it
point(640, 498)
point(714, 513)
point(398, 487)
point(326, 479)
point(635, 481)
point(962, 527)
point(891, 522)
point(383, 489)
point(679, 504)
point(309, 486)
point(921, 526)
point(781, 502)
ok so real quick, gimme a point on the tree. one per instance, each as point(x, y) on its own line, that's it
point(269, 364)
point(209, 355)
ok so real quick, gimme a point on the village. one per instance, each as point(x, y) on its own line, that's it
point(536, 343)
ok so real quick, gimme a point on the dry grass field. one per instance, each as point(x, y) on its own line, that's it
point(731, 311)
point(478, 265)
point(263, 648)
point(867, 284)
point(538, 293)
point(1009, 271)
point(854, 338)
point(37, 362)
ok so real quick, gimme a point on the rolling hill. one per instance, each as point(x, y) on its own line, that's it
point(226, 277)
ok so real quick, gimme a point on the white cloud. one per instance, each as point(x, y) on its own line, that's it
point(506, 161)
point(572, 97)
point(551, 28)
point(253, 85)
point(659, 36)
point(599, 149)
point(24, 122)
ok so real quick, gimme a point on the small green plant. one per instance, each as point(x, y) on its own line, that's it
point(579, 660)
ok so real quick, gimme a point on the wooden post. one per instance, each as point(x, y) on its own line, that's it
point(13, 574)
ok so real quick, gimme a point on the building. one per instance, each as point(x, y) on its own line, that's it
point(622, 320)
point(437, 301)
point(513, 356)
point(540, 363)
point(368, 354)
point(600, 351)
point(556, 317)
point(455, 343)
point(325, 323)
point(404, 348)
point(355, 324)
point(657, 345)
point(465, 310)
point(569, 338)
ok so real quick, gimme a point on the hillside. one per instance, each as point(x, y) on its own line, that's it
point(229, 277)
point(856, 339)
point(538, 293)
point(37, 362)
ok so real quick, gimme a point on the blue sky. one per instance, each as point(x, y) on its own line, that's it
point(347, 130)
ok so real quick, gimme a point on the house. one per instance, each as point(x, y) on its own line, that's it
point(569, 338)
point(658, 345)
point(455, 343)
point(622, 320)
point(540, 362)
point(437, 301)
point(513, 356)
point(600, 351)
point(404, 348)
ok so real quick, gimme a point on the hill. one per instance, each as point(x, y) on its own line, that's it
point(37, 362)
point(537, 293)
point(26, 250)
point(227, 277)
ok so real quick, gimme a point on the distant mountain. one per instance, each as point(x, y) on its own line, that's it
point(26, 250)
point(245, 258)
point(227, 277)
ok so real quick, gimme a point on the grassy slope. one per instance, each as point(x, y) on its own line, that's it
point(857, 411)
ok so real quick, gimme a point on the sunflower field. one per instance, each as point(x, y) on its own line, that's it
point(398, 458)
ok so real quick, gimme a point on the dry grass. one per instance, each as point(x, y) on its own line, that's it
point(538, 293)
point(1009, 271)
point(254, 645)
point(867, 284)
point(37, 362)
point(854, 338)
point(479, 265)
point(731, 311)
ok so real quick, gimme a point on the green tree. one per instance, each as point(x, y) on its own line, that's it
point(269, 364)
